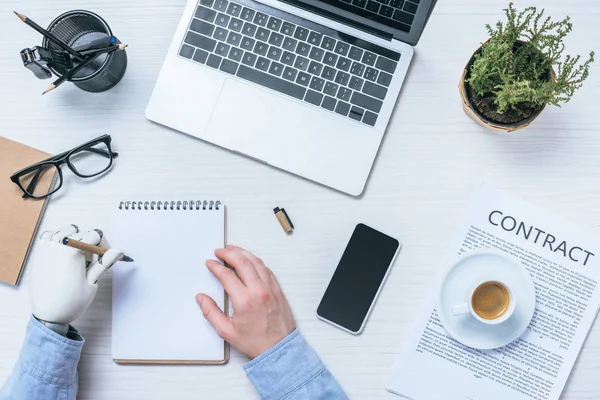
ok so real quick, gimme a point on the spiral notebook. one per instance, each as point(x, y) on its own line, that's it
point(155, 318)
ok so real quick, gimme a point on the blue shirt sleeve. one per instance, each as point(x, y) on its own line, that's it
point(292, 370)
point(47, 369)
point(47, 366)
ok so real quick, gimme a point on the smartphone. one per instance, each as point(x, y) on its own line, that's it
point(358, 279)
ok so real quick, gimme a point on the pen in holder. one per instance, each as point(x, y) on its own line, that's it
point(81, 30)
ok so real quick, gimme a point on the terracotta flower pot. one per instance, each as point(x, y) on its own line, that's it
point(472, 112)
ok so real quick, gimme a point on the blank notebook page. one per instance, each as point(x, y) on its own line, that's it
point(155, 314)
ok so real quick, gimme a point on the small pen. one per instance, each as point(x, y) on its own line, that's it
point(284, 219)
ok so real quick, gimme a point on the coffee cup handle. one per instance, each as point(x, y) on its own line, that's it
point(461, 309)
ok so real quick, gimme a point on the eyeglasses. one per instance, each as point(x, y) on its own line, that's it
point(86, 161)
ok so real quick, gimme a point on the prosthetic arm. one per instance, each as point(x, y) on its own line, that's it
point(64, 281)
point(63, 285)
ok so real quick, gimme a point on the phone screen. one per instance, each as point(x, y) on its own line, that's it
point(357, 278)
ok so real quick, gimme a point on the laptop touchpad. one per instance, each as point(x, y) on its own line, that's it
point(252, 120)
point(289, 134)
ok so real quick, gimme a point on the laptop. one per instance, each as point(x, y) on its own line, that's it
point(307, 86)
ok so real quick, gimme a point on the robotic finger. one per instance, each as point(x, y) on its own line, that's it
point(103, 240)
point(90, 237)
point(105, 263)
point(57, 236)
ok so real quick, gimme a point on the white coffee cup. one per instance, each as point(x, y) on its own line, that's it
point(490, 302)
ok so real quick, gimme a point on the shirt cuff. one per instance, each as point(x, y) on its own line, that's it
point(284, 368)
point(49, 356)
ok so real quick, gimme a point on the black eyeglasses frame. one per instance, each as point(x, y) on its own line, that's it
point(64, 158)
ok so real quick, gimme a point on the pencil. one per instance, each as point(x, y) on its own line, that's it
point(78, 68)
point(50, 36)
point(90, 248)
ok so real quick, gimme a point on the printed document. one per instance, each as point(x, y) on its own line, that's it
point(564, 262)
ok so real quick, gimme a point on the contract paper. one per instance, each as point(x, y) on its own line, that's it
point(564, 262)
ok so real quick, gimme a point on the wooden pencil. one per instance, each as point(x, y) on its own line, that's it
point(78, 68)
point(50, 37)
point(90, 248)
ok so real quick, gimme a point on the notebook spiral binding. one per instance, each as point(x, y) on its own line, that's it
point(170, 205)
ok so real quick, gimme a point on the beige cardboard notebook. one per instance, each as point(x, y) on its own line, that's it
point(155, 318)
point(19, 218)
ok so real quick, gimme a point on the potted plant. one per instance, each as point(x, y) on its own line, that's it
point(511, 78)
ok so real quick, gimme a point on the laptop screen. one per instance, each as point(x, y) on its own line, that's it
point(397, 14)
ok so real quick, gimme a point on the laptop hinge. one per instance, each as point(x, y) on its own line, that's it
point(339, 18)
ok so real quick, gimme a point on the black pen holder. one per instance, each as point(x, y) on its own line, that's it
point(78, 28)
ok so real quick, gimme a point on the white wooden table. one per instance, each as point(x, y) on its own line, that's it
point(431, 161)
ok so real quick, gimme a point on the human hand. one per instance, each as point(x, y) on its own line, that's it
point(60, 291)
point(262, 316)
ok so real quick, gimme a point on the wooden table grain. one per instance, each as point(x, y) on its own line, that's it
point(431, 161)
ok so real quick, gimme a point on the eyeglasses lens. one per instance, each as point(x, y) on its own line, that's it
point(93, 160)
point(39, 182)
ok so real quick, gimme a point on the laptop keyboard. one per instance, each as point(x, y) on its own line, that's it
point(309, 62)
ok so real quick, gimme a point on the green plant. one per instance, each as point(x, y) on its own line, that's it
point(513, 67)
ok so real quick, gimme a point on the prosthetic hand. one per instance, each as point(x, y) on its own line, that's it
point(63, 281)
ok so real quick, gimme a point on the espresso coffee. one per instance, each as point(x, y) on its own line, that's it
point(490, 300)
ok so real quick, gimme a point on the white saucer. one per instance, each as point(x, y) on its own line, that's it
point(470, 270)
